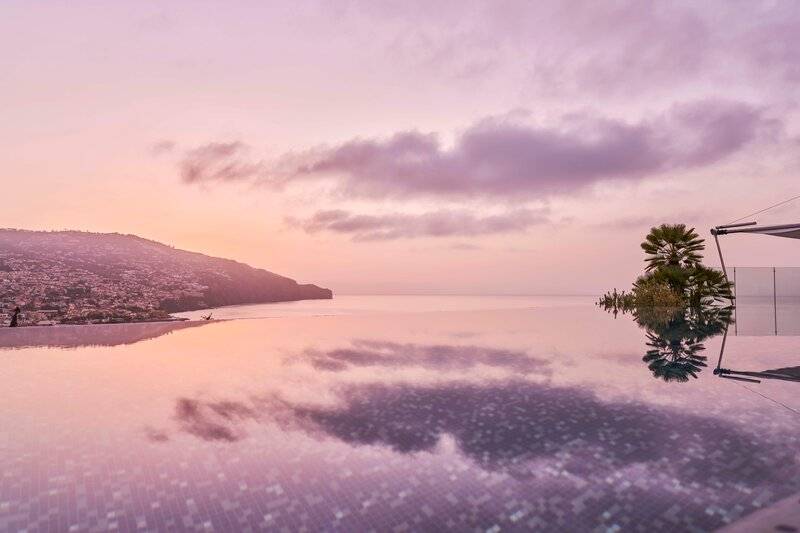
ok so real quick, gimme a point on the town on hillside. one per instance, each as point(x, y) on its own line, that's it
point(72, 277)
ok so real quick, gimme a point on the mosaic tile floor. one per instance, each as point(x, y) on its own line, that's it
point(545, 419)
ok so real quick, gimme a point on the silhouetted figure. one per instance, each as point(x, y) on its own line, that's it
point(14, 318)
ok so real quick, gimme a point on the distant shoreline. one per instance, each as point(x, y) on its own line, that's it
point(63, 277)
point(147, 321)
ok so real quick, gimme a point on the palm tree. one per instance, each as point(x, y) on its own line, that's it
point(672, 245)
point(707, 285)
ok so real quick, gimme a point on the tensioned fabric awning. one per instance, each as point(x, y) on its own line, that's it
point(792, 231)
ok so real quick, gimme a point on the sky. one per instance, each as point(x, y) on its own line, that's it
point(498, 147)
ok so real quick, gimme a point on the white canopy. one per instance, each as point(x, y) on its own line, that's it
point(791, 231)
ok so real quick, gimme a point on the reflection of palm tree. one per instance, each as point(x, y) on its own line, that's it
point(674, 360)
point(675, 338)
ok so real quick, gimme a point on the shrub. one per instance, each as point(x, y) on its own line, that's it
point(649, 291)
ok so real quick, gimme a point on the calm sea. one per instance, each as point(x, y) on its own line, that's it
point(371, 304)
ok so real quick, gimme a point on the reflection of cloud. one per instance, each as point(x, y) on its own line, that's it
point(439, 357)
point(505, 425)
point(212, 420)
point(155, 435)
point(444, 223)
point(512, 427)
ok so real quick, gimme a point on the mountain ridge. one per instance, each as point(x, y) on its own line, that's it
point(72, 276)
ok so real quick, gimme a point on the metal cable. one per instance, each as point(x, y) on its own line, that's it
point(765, 209)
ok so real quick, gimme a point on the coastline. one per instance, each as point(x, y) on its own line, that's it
point(107, 323)
point(171, 317)
point(80, 335)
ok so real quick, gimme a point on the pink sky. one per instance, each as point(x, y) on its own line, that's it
point(481, 147)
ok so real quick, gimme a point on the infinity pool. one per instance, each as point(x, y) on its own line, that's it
point(484, 419)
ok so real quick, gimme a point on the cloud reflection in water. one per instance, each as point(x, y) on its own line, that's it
point(508, 425)
point(370, 353)
point(213, 420)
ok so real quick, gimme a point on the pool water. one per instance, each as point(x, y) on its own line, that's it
point(552, 415)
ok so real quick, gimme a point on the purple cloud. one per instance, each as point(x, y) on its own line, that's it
point(218, 162)
point(505, 158)
point(434, 224)
point(162, 147)
point(774, 48)
point(626, 48)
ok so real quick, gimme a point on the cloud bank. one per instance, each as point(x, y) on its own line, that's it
point(502, 158)
point(626, 49)
point(444, 223)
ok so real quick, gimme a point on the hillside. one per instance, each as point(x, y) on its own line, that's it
point(76, 277)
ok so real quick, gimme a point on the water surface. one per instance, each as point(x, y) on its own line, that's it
point(373, 304)
point(537, 415)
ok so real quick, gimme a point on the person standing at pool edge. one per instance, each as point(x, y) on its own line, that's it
point(14, 318)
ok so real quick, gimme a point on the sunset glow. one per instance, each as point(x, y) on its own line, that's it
point(509, 147)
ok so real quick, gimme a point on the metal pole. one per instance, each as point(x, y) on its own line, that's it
point(722, 347)
point(722, 262)
point(775, 299)
point(735, 327)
